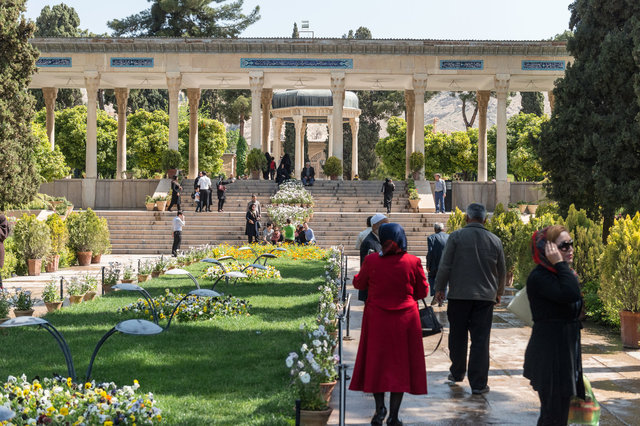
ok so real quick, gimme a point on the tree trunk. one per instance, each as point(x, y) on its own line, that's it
point(101, 99)
point(607, 222)
point(241, 125)
point(467, 123)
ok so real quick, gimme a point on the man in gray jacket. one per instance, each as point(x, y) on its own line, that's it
point(473, 265)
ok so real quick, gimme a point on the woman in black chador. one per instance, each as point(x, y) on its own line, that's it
point(175, 193)
point(252, 229)
point(286, 161)
point(282, 174)
point(388, 187)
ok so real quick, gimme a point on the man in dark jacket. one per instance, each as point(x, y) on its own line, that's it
point(371, 244)
point(308, 175)
point(435, 247)
point(4, 233)
point(175, 193)
point(473, 265)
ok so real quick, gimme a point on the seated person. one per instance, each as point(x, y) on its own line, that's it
point(267, 232)
point(300, 235)
point(276, 237)
point(308, 175)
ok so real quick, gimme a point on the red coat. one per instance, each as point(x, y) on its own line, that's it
point(390, 354)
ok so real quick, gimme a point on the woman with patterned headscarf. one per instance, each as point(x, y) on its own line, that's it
point(390, 353)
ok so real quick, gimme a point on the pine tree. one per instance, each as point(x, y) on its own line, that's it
point(532, 103)
point(296, 33)
point(17, 64)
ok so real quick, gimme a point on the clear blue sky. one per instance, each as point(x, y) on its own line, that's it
point(420, 19)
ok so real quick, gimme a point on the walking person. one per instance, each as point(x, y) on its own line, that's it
point(439, 192)
point(254, 200)
point(196, 198)
point(363, 234)
point(435, 247)
point(272, 169)
point(178, 223)
point(387, 188)
point(371, 244)
point(553, 359)
point(252, 228)
point(473, 266)
point(4, 233)
point(205, 192)
point(175, 193)
point(221, 189)
point(390, 353)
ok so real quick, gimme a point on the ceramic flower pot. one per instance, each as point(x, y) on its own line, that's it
point(96, 258)
point(52, 265)
point(150, 206)
point(84, 258)
point(143, 277)
point(532, 208)
point(522, 207)
point(155, 274)
point(127, 280)
point(414, 204)
point(315, 418)
point(327, 389)
point(107, 288)
point(90, 295)
point(53, 306)
point(629, 322)
point(35, 265)
point(255, 174)
point(74, 300)
point(23, 313)
point(160, 205)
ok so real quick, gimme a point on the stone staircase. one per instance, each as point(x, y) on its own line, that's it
point(341, 211)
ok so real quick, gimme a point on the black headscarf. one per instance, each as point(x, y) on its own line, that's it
point(393, 239)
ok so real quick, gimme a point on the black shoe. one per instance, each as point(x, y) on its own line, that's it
point(452, 379)
point(379, 416)
point(394, 422)
point(480, 391)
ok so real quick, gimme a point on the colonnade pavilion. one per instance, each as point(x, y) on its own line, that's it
point(265, 65)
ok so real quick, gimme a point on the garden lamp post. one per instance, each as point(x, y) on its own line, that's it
point(199, 292)
point(6, 414)
point(278, 249)
point(233, 274)
point(132, 327)
point(220, 259)
point(27, 321)
point(266, 257)
point(178, 271)
point(145, 294)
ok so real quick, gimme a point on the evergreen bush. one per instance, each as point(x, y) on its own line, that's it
point(332, 167)
point(456, 220)
point(32, 238)
point(256, 160)
point(83, 227)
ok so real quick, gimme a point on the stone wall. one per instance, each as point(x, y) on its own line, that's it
point(110, 193)
point(465, 193)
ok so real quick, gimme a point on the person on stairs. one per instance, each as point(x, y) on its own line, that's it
point(175, 193)
point(387, 188)
point(221, 188)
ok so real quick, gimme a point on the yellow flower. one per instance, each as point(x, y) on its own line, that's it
point(135, 382)
point(87, 385)
point(69, 381)
point(108, 423)
point(64, 411)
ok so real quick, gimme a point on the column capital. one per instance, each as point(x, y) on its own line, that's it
point(122, 96)
point(194, 98)
point(174, 81)
point(355, 124)
point(256, 80)
point(420, 82)
point(297, 120)
point(92, 81)
point(501, 82)
point(337, 82)
point(50, 94)
point(483, 100)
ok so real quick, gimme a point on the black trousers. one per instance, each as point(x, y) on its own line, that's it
point(554, 409)
point(177, 239)
point(205, 199)
point(220, 203)
point(474, 318)
point(175, 201)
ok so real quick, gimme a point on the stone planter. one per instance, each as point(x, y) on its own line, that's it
point(84, 258)
point(90, 295)
point(334, 177)
point(96, 258)
point(532, 208)
point(53, 306)
point(74, 300)
point(160, 205)
point(414, 204)
point(52, 265)
point(23, 313)
point(326, 389)
point(255, 174)
point(629, 322)
point(35, 266)
point(150, 206)
point(143, 277)
point(315, 418)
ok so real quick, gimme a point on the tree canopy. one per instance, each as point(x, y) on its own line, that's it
point(532, 103)
point(187, 18)
point(59, 20)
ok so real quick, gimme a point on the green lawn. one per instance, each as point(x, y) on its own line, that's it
point(225, 371)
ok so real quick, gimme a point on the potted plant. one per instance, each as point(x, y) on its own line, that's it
point(89, 286)
point(101, 242)
point(74, 290)
point(33, 242)
point(127, 274)
point(332, 167)
point(160, 202)
point(144, 271)
point(522, 205)
point(150, 203)
point(171, 160)
point(531, 208)
point(22, 303)
point(256, 162)
point(416, 163)
point(620, 278)
point(83, 227)
point(51, 296)
point(5, 306)
point(159, 267)
point(59, 237)
point(414, 199)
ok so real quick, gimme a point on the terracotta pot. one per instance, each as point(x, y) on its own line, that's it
point(74, 300)
point(155, 274)
point(150, 206)
point(255, 174)
point(90, 295)
point(414, 204)
point(52, 265)
point(107, 288)
point(143, 277)
point(35, 265)
point(334, 177)
point(327, 389)
point(532, 208)
point(25, 313)
point(160, 205)
point(96, 258)
point(522, 207)
point(53, 306)
point(629, 323)
point(315, 418)
point(84, 258)
point(127, 281)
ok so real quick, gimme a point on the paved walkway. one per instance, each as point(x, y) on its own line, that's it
point(613, 371)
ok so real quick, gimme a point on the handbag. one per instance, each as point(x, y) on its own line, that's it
point(519, 305)
point(585, 411)
point(430, 324)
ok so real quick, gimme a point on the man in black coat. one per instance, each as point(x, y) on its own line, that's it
point(435, 247)
point(371, 244)
point(308, 175)
point(175, 193)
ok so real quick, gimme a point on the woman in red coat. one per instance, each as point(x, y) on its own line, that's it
point(390, 354)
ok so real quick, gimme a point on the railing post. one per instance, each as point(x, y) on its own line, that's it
point(297, 412)
point(102, 284)
point(62, 288)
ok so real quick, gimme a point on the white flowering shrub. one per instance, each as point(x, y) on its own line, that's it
point(292, 193)
point(280, 213)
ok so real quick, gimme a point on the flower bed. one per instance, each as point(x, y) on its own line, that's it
point(60, 401)
point(294, 252)
point(280, 214)
point(192, 309)
point(253, 274)
point(291, 201)
point(292, 193)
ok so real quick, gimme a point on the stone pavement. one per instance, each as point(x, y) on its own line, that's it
point(613, 371)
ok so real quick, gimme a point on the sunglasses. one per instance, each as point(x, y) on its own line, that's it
point(565, 245)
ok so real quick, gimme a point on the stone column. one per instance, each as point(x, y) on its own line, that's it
point(337, 89)
point(267, 95)
point(122, 98)
point(277, 144)
point(91, 83)
point(419, 85)
point(194, 100)
point(502, 185)
point(552, 99)
point(174, 80)
point(483, 101)
point(256, 80)
point(330, 134)
point(410, 103)
point(49, 94)
point(299, 148)
point(355, 125)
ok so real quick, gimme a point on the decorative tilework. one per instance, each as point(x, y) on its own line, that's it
point(295, 63)
point(53, 62)
point(132, 62)
point(543, 65)
point(449, 64)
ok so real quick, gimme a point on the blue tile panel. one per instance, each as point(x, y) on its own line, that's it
point(53, 62)
point(543, 65)
point(296, 63)
point(132, 62)
point(449, 64)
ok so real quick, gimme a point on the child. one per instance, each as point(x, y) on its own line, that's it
point(197, 200)
point(276, 236)
point(267, 233)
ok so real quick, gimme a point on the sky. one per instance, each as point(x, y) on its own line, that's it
point(400, 19)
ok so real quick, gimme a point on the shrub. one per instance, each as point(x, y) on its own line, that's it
point(102, 244)
point(548, 207)
point(51, 292)
point(256, 160)
point(241, 156)
point(83, 227)
point(332, 167)
point(58, 233)
point(506, 224)
point(416, 161)
point(32, 238)
point(171, 159)
point(413, 194)
point(456, 220)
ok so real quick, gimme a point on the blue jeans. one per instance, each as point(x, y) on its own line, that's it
point(439, 197)
point(308, 181)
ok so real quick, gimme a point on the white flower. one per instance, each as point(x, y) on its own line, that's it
point(289, 361)
point(304, 377)
point(300, 364)
point(316, 342)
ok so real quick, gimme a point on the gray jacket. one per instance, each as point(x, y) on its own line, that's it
point(473, 265)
